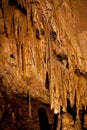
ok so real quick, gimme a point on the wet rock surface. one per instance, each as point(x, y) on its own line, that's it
point(43, 64)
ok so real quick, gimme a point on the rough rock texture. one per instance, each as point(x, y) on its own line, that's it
point(43, 56)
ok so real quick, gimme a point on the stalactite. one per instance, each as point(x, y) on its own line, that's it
point(19, 59)
point(51, 75)
point(64, 85)
point(16, 25)
point(72, 87)
point(13, 117)
point(23, 58)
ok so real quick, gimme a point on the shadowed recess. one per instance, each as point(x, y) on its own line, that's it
point(43, 120)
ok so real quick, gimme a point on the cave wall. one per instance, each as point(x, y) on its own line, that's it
point(43, 52)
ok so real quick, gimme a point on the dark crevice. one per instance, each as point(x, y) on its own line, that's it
point(22, 57)
point(47, 82)
point(14, 2)
point(63, 58)
point(54, 89)
point(53, 34)
point(67, 65)
point(43, 120)
point(22, 9)
point(37, 3)
point(12, 56)
point(1, 4)
point(45, 58)
point(83, 121)
point(55, 121)
point(61, 112)
point(38, 34)
point(71, 110)
point(81, 113)
point(80, 73)
point(13, 22)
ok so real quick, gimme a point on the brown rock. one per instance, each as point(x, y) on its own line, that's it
point(43, 55)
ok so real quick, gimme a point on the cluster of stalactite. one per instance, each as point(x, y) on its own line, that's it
point(35, 43)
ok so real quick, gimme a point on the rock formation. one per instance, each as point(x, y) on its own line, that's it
point(43, 64)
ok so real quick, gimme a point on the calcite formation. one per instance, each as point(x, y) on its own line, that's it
point(43, 55)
